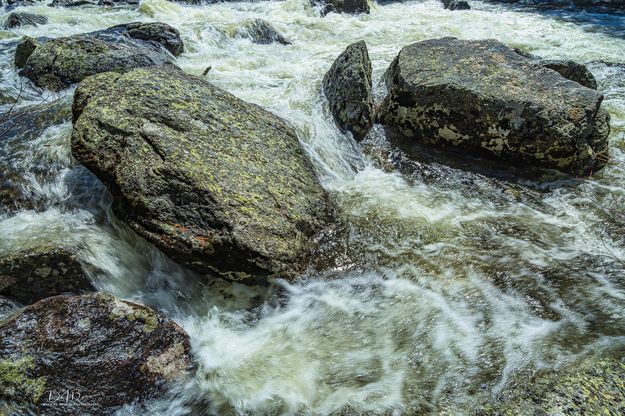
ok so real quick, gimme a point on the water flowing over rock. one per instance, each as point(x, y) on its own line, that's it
point(456, 5)
point(31, 275)
point(484, 97)
point(18, 19)
point(260, 31)
point(342, 6)
point(57, 63)
point(348, 88)
point(102, 351)
point(215, 182)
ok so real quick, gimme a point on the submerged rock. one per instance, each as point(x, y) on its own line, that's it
point(572, 70)
point(260, 31)
point(87, 355)
point(348, 88)
point(31, 275)
point(57, 63)
point(17, 19)
point(218, 184)
point(456, 4)
point(483, 97)
point(342, 6)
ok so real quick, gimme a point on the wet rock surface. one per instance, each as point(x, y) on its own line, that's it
point(483, 97)
point(218, 184)
point(456, 5)
point(31, 275)
point(104, 351)
point(57, 63)
point(595, 5)
point(7, 306)
point(348, 88)
point(342, 6)
point(18, 19)
point(260, 31)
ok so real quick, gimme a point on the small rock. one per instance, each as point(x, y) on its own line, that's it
point(342, 6)
point(456, 4)
point(17, 19)
point(31, 275)
point(260, 31)
point(158, 33)
point(349, 90)
point(572, 70)
point(92, 353)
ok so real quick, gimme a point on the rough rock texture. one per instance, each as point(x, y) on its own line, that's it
point(456, 5)
point(17, 19)
point(342, 6)
point(7, 306)
point(32, 275)
point(260, 31)
point(484, 97)
point(215, 182)
point(572, 70)
point(57, 63)
point(103, 351)
point(595, 387)
point(348, 88)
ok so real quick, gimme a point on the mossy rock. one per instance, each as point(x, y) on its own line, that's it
point(87, 355)
point(218, 184)
point(483, 97)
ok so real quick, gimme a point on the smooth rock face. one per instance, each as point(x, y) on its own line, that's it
point(348, 87)
point(218, 184)
point(106, 352)
point(572, 70)
point(342, 6)
point(484, 97)
point(456, 5)
point(32, 275)
point(17, 19)
point(25, 47)
point(260, 31)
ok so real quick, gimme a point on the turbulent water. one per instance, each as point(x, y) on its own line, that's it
point(446, 286)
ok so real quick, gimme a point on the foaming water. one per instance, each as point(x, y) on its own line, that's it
point(448, 285)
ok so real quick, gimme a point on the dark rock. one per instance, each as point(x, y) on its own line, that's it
point(26, 123)
point(342, 6)
point(12, 4)
point(60, 62)
point(25, 47)
point(456, 4)
point(572, 70)
point(215, 182)
point(158, 33)
point(7, 306)
point(104, 351)
point(483, 97)
point(17, 19)
point(77, 3)
point(31, 275)
point(349, 90)
point(596, 5)
point(260, 31)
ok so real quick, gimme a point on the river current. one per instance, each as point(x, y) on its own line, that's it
point(445, 287)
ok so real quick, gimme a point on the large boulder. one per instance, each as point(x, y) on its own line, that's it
point(484, 97)
point(348, 88)
point(342, 6)
point(260, 31)
point(31, 275)
point(87, 355)
point(17, 19)
point(57, 63)
point(217, 183)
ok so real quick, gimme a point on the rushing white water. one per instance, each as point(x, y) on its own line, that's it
point(448, 284)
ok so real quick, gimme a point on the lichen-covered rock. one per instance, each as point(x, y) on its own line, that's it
point(17, 19)
point(456, 5)
point(594, 387)
point(348, 88)
point(31, 275)
point(60, 62)
point(342, 6)
point(215, 182)
point(87, 355)
point(260, 31)
point(484, 97)
point(572, 70)
point(25, 47)
point(156, 33)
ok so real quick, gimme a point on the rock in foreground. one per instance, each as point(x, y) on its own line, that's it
point(349, 90)
point(483, 97)
point(218, 184)
point(29, 276)
point(103, 351)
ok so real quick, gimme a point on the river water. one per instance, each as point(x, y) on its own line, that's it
point(446, 286)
